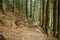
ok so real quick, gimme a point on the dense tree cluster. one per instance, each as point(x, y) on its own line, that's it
point(46, 12)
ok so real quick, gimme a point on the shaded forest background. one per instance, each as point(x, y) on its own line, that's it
point(45, 13)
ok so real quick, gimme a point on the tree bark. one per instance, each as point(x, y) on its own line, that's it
point(55, 18)
point(44, 14)
point(47, 17)
point(59, 19)
point(1, 7)
point(0, 3)
point(26, 9)
point(31, 8)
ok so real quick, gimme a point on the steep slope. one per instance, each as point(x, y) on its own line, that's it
point(11, 31)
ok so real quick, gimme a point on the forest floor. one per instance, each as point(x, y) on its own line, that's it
point(23, 31)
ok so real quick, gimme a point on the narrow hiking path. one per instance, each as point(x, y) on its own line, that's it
point(23, 31)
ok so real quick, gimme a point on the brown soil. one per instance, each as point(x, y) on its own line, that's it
point(23, 31)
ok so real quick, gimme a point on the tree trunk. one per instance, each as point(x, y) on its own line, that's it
point(44, 14)
point(0, 4)
point(59, 19)
point(26, 9)
point(1, 7)
point(31, 8)
point(47, 17)
point(55, 18)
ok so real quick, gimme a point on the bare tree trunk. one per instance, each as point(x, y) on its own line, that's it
point(59, 19)
point(55, 18)
point(1, 7)
point(47, 16)
point(30, 8)
point(26, 9)
point(44, 14)
point(0, 4)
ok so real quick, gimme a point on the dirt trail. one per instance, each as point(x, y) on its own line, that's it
point(11, 31)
